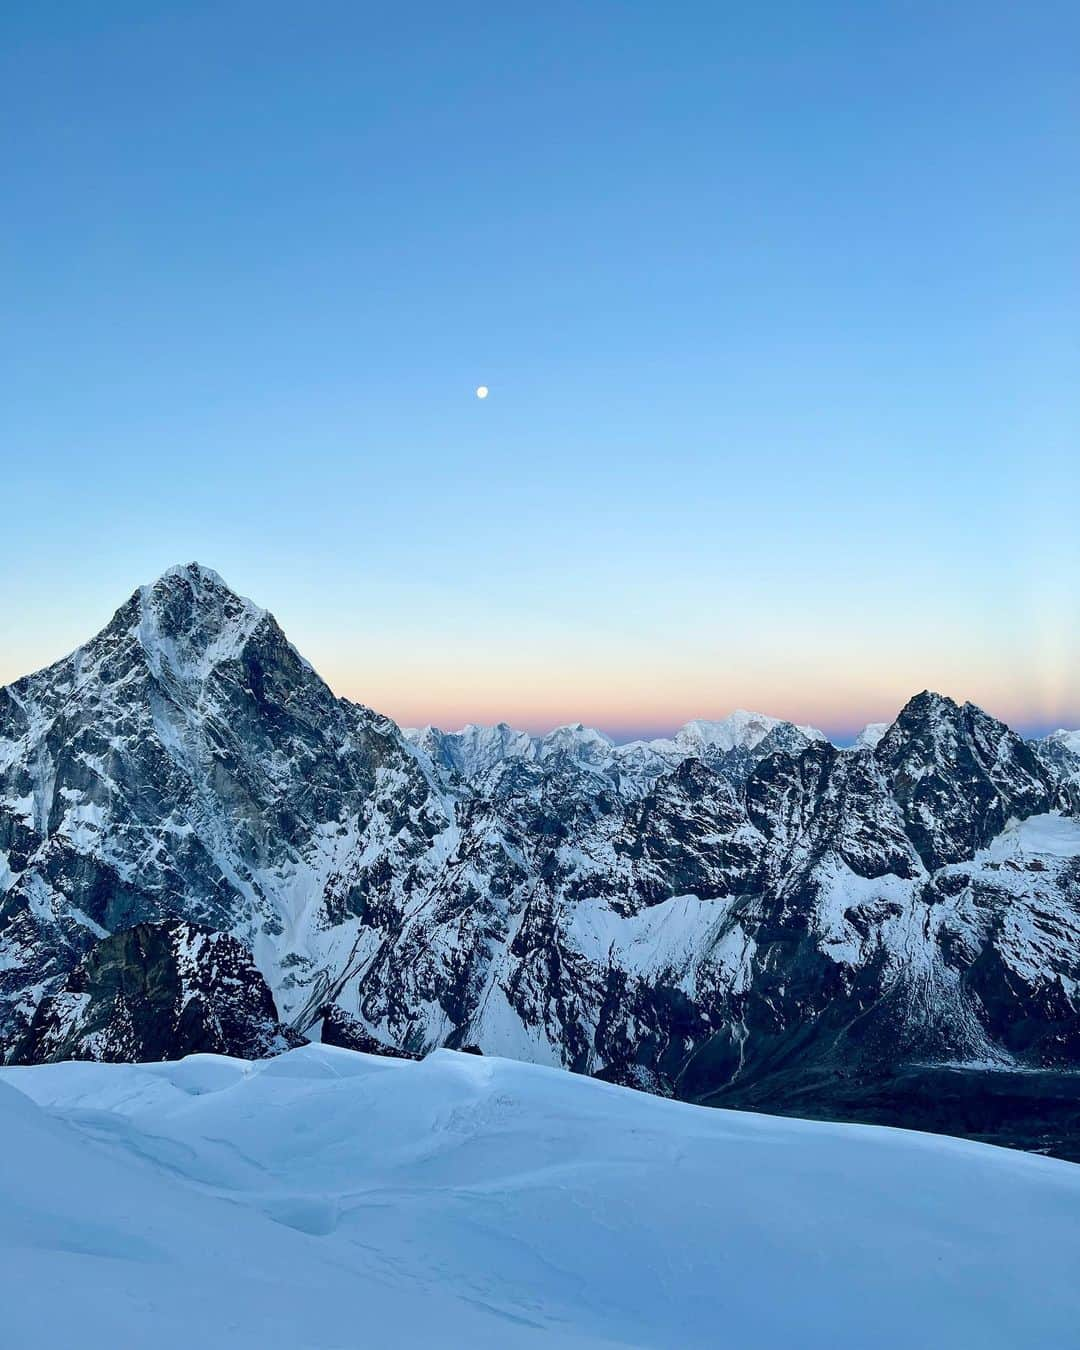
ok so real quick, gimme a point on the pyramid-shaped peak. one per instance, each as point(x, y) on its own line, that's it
point(194, 579)
point(195, 571)
point(935, 716)
point(190, 620)
point(929, 701)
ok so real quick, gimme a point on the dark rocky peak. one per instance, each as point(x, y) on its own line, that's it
point(930, 721)
point(958, 775)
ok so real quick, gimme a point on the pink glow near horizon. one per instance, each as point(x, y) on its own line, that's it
point(629, 687)
point(652, 718)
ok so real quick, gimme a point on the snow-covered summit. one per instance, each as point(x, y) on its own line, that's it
point(188, 621)
point(196, 574)
point(740, 730)
point(474, 749)
point(1061, 751)
point(578, 740)
point(1066, 740)
point(870, 735)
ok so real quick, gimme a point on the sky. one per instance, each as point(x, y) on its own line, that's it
point(777, 305)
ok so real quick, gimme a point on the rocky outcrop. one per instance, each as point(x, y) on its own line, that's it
point(157, 992)
point(338, 1028)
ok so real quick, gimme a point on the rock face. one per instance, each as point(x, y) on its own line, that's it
point(154, 992)
point(959, 776)
point(742, 913)
point(339, 1028)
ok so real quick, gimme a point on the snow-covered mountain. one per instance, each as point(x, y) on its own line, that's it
point(733, 746)
point(740, 914)
point(188, 763)
point(868, 738)
point(327, 1199)
point(1061, 750)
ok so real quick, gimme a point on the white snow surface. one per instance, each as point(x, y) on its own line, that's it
point(1069, 739)
point(870, 735)
point(327, 1199)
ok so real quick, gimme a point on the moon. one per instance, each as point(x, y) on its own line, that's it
point(482, 391)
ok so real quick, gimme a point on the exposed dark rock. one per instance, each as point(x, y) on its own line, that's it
point(339, 1028)
point(641, 1077)
point(156, 992)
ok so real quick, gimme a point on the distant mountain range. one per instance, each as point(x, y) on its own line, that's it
point(201, 847)
point(733, 746)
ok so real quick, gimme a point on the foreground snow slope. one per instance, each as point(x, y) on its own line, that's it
point(330, 1199)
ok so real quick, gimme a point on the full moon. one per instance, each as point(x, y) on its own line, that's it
point(482, 391)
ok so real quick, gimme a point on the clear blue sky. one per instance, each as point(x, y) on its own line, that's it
point(778, 306)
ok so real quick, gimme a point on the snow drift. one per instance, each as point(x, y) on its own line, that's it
point(327, 1199)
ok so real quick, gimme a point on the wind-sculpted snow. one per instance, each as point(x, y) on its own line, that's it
point(327, 1199)
point(741, 913)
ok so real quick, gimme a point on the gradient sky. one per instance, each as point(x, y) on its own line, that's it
point(778, 305)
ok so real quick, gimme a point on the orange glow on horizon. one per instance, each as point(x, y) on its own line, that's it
point(626, 707)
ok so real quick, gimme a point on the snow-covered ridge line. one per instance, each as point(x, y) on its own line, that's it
point(475, 750)
point(739, 729)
